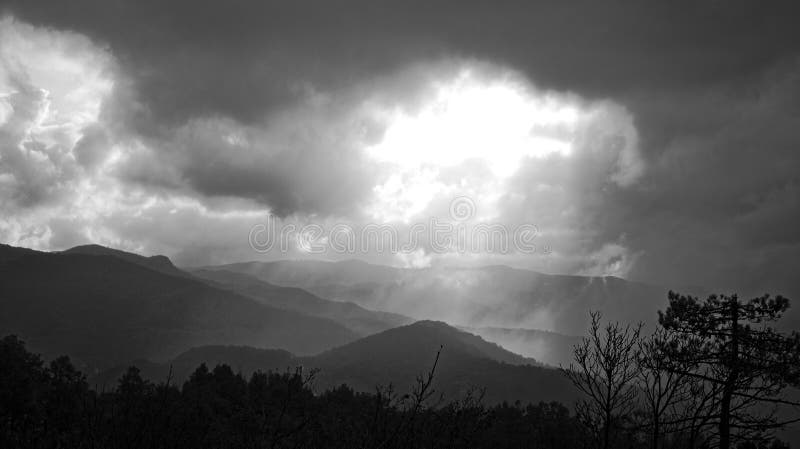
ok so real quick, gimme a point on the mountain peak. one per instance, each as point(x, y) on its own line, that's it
point(423, 338)
point(433, 324)
point(89, 247)
point(158, 262)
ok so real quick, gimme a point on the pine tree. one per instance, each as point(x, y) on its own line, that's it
point(728, 344)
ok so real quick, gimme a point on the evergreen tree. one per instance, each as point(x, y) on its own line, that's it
point(729, 346)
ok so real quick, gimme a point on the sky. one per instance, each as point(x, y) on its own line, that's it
point(655, 141)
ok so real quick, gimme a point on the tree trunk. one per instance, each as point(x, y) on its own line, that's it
point(730, 382)
point(656, 431)
point(725, 418)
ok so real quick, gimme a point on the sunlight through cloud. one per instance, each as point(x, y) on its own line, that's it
point(477, 128)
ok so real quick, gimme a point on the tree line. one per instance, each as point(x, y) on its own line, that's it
point(51, 406)
point(712, 374)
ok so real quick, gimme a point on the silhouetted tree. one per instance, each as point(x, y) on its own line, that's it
point(605, 370)
point(727, 345)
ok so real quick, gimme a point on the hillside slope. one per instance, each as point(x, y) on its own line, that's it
point(398, 355)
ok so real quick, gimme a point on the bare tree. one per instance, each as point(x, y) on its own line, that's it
point(662, 388)
point(605, 370)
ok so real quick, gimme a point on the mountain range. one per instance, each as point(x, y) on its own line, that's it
point(105, 306)
point(354, 317)
point(492, 296)
point(103, 309)
point(352, 320)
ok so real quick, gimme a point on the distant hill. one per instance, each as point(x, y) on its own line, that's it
point(492, 296)
point(103, 310)
point(396, 357)
point(407, 342)
point(358, 319)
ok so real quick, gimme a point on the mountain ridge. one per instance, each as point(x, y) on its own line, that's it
point(102, 309)
point(360, 320)
point(495, 296)
point(158, 262)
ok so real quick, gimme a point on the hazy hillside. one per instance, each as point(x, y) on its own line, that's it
point(492, 296)
point(358, 319)
point(317, 272)
point(547, 347)
point(103, 310)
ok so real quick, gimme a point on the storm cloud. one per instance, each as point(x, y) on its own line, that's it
point(203, 118)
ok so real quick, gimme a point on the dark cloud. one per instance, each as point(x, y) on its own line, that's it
point(243, 58)
point(718, 205)
point(289, 170)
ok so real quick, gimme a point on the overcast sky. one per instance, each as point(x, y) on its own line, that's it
point(657, 141)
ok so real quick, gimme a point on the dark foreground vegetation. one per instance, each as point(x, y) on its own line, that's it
point(53, 406)
point(712, 375)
